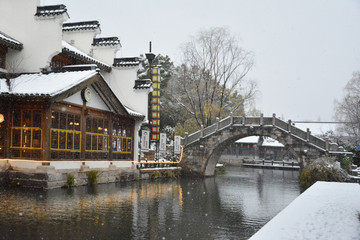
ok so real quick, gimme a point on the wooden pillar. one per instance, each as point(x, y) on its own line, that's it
point(8, 124)
point(110, 130)
point(84, 112)
point(46, 126)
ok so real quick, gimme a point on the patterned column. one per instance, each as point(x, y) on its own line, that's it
point(155, 105)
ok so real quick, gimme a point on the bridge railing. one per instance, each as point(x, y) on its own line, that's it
point(238, 120)
point(192, 138)
point(281, 124)
point(252, 121)
point(317, 142)
point(267, 121)
point(301, 135)
point(225, 122)
point(210, 130)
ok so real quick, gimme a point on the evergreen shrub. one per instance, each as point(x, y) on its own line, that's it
point(322, 169)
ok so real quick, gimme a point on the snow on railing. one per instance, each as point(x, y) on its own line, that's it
point(238, 121)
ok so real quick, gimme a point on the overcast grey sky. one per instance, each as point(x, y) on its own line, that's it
point(305, 50)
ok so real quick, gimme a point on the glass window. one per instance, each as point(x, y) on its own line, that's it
point(17, 118)
point(70, 122)
point(26, 138)
point(16, 138)
point(70, 136)
point(26, 118)
point(36, 140)
point(55, 119)
point(37, 118)
point(54, 139)
point(77, 123)
point(62, 120)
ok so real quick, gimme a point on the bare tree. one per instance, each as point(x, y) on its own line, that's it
point(210, 82)
point(347, 110)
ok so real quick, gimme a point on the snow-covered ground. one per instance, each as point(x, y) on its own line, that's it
point(327, 210)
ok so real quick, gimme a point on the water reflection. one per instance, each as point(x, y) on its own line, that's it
point(232, 206)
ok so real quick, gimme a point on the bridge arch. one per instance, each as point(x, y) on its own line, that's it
point(204, 148)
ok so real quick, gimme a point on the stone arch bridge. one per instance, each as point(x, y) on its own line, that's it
point(203, 148)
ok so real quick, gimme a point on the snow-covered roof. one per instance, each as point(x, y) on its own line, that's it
point(134, 113)
point(77, 26)
point(108, 41)
point(126, 62)
point(142, 84)
point(268, 142)
point(50, 10)
point(10, 42)
point(76, 53)
point(40, 84)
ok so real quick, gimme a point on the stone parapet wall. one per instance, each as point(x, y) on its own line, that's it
point(34, 175)
point(50, 178)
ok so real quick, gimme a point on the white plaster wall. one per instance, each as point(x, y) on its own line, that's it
point(82, 40)
point(122, 81)
point(123, 164)
point(96, 101)
point(40, 36)
point(24, 164)
point(98, 164)
point(136, 140)
point(66, 165)
point(105, 54)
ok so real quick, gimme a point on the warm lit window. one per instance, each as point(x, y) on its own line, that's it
point(26, 133)
point(121, 141)
point(97, 138)
point(65, 135)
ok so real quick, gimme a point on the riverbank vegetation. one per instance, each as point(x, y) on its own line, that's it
point(92, 177)
point(322, 169)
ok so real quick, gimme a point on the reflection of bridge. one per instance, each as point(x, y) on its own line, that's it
point(204, 147)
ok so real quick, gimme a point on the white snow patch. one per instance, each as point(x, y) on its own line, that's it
point(327, 210)
point(47, 84)
point(268, 142)
point(133, 113)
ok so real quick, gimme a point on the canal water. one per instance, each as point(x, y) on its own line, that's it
point(230, 206)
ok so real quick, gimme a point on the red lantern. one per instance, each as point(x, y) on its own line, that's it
point(1, 118)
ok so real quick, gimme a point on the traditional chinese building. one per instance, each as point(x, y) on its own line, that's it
point(66, 100)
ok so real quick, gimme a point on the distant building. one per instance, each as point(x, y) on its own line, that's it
point(254, 147)
point(64, 96)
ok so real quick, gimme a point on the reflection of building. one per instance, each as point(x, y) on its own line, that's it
point(252, 148)
point(77, 100)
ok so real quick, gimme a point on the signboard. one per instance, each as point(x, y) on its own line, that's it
point(162, 146)
point(177, 143)
point(145, 139)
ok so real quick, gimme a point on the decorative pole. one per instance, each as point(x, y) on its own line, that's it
point(155, 102)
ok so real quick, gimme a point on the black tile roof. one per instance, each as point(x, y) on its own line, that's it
point(75, 53)
point(107, 41)
point(50, 10)
point(142, 84)
point(126, 62)
point(76, 26)
point(10, 42)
